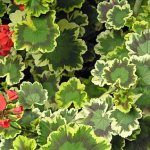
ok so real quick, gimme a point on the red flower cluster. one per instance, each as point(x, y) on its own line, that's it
point(4, 113)
point(5, 40)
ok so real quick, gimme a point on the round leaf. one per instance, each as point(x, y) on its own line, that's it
point(31, 94)
point(71, 92)
point(36, 34)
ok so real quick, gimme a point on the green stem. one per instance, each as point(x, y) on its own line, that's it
point(112, 89)
point(137, 6)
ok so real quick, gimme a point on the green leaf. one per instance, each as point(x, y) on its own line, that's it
point(97, 73)
point(47, 126)
point(119, 53)
point(50, 83)
point(121, 73)
point(29, 116)
point(124, 100)
point(24, 143)
point(80, 19)
point(3, 8)
point(118, 143)
point(71, 92)
point(142, 69)
point(31, 94)
point(6, 144)
point(139, 26)
point(143, 102)
point(12, 68)
point(11, 132)
point(125, 123)
point(36, 34)
point(144, 12)
point(16, 17)
point(113, 37)
point(69, 5)
point(68, 114)
point(142, 140)
point(35, 8)
point(138, 44)
point(96, 114)
point(104, 7)
point(93, 90)
point(118, 16)
point(6, 1)
point(68, 44)
point(92, 14)
point(81, 138)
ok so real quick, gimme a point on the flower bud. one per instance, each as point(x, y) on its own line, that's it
point(18, 110)
point(12, 95)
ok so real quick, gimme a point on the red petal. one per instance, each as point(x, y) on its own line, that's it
point(12, 95)
point(21, 7)
point(4, 28)
point(2, 102)
point(18, 110)
point(5, 123)
point(4, 53)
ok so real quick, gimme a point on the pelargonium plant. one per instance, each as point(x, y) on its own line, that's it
point(74, 75)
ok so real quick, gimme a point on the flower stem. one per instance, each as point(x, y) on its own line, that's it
point(137, 6)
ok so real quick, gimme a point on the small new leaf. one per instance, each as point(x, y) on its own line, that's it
point(124, 100)
point(71, 92)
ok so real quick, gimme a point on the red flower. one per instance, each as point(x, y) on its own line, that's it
point(2, 102)
point(5, 123)
point(5, 40)
point(12, 95)
point(21, 7)
point(18, 110)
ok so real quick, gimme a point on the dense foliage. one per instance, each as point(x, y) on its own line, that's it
point(75, 74)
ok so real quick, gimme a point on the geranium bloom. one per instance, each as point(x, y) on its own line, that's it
point(18, 110)
point(12, 95)
point(5, 40)
point(2, 102)
point(9, 114)
point(5, 123)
